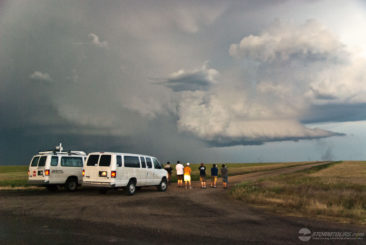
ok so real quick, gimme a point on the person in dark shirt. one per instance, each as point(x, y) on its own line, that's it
point(202, 170)
point(169, 169)
point(214, 173)
point(224, 176)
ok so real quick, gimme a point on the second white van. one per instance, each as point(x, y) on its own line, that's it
point(57, 168)
point(109, 170)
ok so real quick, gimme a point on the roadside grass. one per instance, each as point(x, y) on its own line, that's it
point(335, 191)
point(13, 176)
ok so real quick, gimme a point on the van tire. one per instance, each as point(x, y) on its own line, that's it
point(131, 188)
point(52, 188)
point(71, 184)
point(163, 185)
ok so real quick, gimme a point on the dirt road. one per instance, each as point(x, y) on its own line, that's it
point(177, 216)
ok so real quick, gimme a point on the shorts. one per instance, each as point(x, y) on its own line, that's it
point(203, 178)
point(180, 177)
point(187, 178)
point(225, 179)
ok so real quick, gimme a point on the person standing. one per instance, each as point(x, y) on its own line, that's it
point(179, 168)
point(224, 175)
point(214, 173)
point(169, 169)
point(202, 170)
point(187, 176)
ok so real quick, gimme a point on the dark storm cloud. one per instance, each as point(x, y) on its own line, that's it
point(335, 113)
point(200, 79)
point(189, 82)
point(227, 142)
point(79, 72)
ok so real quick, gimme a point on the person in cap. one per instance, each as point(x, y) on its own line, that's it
point(169, 169)
point(179, 168)
point(224, 175)
point(187, 176)
point(202, 169)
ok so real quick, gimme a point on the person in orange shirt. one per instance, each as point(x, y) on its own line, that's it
point(187, 176)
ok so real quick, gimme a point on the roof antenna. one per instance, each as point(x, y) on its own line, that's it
point(59, 147)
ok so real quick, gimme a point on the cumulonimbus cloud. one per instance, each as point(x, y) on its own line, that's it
point(283, 42)
point(299, 70)
point(220, 120)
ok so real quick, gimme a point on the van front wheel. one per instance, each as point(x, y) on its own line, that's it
point(163, 185)
point(71, 184)
point(131, 188)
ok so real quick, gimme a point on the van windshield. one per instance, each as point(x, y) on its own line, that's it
point(105, 160)
point(35, 161)
point(93, 160)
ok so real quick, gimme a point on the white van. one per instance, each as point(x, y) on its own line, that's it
point(108, 170)
point(54, 168)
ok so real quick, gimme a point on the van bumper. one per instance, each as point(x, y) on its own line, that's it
point(98, 184)
point(38, 182)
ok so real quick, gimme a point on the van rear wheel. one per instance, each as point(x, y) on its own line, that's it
point(131, 188)
point(71, 184)
point(163, 185)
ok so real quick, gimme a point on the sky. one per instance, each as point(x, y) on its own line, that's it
point(197, 81)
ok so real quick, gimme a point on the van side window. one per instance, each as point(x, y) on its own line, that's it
point(35, 161)
point(105, 160)
point(119, 161)
point(157, 164)
point(71, 162)
point(54, 161)
point(132, 162)
point(42, 161)
point(148, 161)
point(93, 160)
point(143, 163)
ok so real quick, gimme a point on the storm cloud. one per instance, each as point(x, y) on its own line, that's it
point(170, 78)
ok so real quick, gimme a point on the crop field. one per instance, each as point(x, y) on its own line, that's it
point(336, 191)
point(13, 176)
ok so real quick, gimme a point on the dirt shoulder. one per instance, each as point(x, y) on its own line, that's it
point(178, 215)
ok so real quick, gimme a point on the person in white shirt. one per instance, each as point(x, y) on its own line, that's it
point(179, 168)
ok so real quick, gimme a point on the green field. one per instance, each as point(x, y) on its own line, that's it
point(14, 176)
point(336, 191)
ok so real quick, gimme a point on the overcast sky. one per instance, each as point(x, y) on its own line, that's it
point(223, 81)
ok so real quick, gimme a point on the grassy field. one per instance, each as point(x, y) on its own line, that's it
point(14, 176)
point(336, 191)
